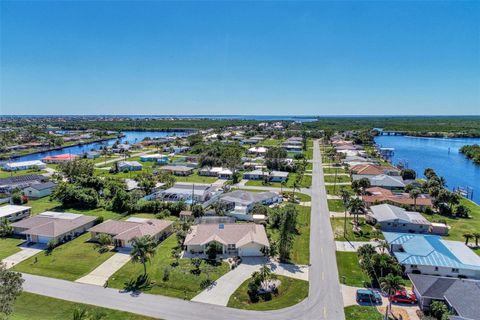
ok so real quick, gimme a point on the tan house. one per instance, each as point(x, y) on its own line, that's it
point(58, 226)
point(123, 232)
point(242, 239)
point(378, 195)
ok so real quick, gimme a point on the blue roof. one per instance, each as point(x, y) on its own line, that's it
point(432, 250)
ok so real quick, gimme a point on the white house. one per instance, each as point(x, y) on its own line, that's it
point(129, 166)
point(274, 176)
point(242, 239)
point(24, 165)
point(14, 213)
point(241, 202)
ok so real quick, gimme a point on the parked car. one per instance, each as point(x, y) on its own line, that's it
point(404, 297)
point(370, 296)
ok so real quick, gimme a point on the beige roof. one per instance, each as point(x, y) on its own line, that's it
point(228, 233)
point(53, 224)
point(132, 228)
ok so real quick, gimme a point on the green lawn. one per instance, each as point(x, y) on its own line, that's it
point(368, 230)
point(335, 190)
point(29, 306)
point(332, 170)
point(45, 204)
point(9, 246)
point(181, 284)
point(305, 183)
point(335, 205)
point(301, 196)
point(290, 292)
point(460, 226)
point(69, 261)
point(270, 143)
point(309, 154)
point(8, 174)
point(195, 178)
point(362, 313)
point(340, 178)
point(300, 253)
point(349, 269)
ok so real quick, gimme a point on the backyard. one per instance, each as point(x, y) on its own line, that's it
point(290, 292)
point(69, 261)
point(181, 283)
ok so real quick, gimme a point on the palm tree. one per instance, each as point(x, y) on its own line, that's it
point(477, 236)
point(366, 250)
point(346, 197)
point(414, 194)
point(356, 205)
point(467, 237)
point(104, 240)
point(390, 284)
point(383, 245)
point(143, 249)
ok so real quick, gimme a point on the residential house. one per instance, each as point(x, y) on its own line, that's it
point(273, 176)
point(374, 170)
point(396, 219)
point(24, 165)
point(190, 193)
point(92, 154)
point(258, 151)
point(377, 195)
point(19, 182)
point(186, 215)
point(129, 166)
point(292, 148)
point(462, 296)
point(242, 239)
point(59, 158)
point(124, 231)
point(159, 158)
point(14, 213)
point(221, 173)
point(383, 181)
point(57, 226)
point(432, 255)
point(39, 190)
point(180, 170)
point(240, 203)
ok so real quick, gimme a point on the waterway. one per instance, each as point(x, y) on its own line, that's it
point(130, 136)
point(440, 154)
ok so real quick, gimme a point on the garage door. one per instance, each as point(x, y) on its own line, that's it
point(250, 252)
point(43, 239)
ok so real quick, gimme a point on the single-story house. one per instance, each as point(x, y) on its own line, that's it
point(39, 190)
point(14, 213)
point(462, 296)
point(181, 170)
point(274, 176)
point(432, 255)
point(159, 158)
point(242, 239)
point(189, 193)
point(382, 180)
point(374, 170)
point(60, 158)
point(20, 182)
point(249, 141)
point(222, 173)
point(377, 195)
point(396, 219)
point(124, 231)
point(293, 148)
point(92, 154)
point(176, 149)
point(129, 166)
point(241, 202)
point(258, 151)
point(24, 165)
point(58, 226)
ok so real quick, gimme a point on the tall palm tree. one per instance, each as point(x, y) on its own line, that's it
point(467, 237)
point(476, 235)
point(390, 284)
point(143, 249)
point(346, 197)
point(356, 205)
point(383, 245)
point(414, 194)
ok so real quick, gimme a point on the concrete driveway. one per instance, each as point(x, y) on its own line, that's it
point(104, 271)
point(352, 246)
point(24, 253)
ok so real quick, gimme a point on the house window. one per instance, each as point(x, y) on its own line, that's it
point(455, 270)
point(231, 247)
point(413, 266)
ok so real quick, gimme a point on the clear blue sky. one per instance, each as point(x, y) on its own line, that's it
point(275, 58)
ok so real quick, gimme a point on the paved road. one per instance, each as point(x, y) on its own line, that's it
point(323, 303)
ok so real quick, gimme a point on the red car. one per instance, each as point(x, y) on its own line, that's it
point(404, 297)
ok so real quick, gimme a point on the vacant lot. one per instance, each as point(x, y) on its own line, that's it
point(368, 232)
point(69, 261)
point(349, 269)
point(290, 292)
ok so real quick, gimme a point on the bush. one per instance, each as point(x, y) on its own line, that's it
point(166, 274)
point(253, 292)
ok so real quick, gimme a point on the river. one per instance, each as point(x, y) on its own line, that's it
point(440, 154)
point(130, 136)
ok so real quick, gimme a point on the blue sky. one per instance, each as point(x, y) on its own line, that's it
point(275, 58)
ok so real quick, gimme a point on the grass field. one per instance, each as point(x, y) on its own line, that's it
point(335, 205)
point(29, 306)
point(368, 230)
point(69, 261)
point(349, 270)
point(290, 292)
point(362, 313)
point(301, 196)
point(300, 253)
point(335, 190)
point(339, 178)
point(332, 170)
point(195, 178)
point(9, 246)
point(181, 283)
point(305, 183)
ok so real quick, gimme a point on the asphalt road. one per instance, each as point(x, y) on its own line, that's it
point(324, 300)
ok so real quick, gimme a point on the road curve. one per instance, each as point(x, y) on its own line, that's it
point(324, 300)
